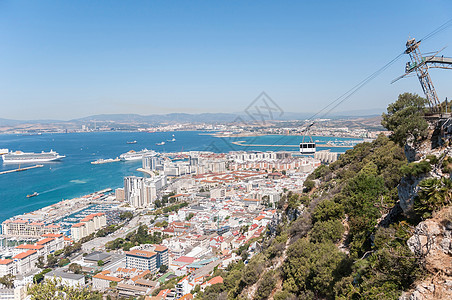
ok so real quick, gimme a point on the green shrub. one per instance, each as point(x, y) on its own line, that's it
point(433, 195)
point(325, 231)
point(416, 168)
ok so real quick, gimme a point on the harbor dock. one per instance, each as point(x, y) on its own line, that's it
point(21, 169)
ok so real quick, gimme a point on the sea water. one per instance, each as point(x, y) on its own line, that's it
point(75, 176)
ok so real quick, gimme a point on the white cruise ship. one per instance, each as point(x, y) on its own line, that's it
point(19, 157)
point(133, 155)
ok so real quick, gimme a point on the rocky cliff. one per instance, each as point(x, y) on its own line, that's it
point(432, 244)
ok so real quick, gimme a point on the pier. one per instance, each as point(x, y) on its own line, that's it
point(21, 169)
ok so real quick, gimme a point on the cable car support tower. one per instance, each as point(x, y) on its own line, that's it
point(420, 65)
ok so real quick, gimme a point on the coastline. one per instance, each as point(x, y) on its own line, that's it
point(51, 213)
point(76, 176)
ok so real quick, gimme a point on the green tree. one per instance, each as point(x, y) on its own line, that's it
point(53, 290)
point(51, 260)
point(38, 278)
point(190, 215)
point(163, 268)
point(75, 268)
point(314, 267)
point(433, 194)
point(325, 231)
point(308, 185)
point(8, 280)
point(405, 118)
point(40, 262)
point(127, 215)
point(100, 263)
point(326, 210)
point(62, 262)
point(266, 285)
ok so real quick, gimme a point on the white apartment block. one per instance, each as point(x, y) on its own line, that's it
point(26, 261)
point(141, 192)
point(88, 225)
point(141, 260)
point(7, 266)
point(27, 229)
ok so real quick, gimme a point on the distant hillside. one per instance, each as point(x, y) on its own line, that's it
point(165, 118)
point(9, 122)
point(194, 118)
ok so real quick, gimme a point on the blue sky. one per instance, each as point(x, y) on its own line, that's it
point(70, 59)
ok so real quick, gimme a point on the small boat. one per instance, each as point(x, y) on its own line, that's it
point(105, 161)
point(172, 140)
point(160, 144)
point(32, 195)
point(132, 142)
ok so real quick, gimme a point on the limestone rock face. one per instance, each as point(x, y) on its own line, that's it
point(407, 190)
point(432, 242)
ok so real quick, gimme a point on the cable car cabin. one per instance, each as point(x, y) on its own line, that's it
point(307, 148)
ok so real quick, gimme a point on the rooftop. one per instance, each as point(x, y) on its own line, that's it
point(28, 246)
point(96, 256)
point(141, 253)
point(160, 248)
point(24, 254)
point(5, 261)
point(45, 241)
point(106, 277)
point(57, 274)
point(186, 259)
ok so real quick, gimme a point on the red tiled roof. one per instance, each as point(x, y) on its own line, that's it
point(215, 280)
point(52, 235)
point(180, 281)
point(45, 241)
point(53, 226)
point(163, 293)
point(105, 277)
point(28, 246)
point(20, 221)
point(259, 218)
point(5, 261)
point(141, 253)
point(24, 254)
point(160, 248)
point(186, 259)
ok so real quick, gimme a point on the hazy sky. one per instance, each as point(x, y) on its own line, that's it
point(70, 59)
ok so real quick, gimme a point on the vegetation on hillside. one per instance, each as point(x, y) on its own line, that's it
point(405, 118)
point(135, 238)
point(53, 289)
point(331, 242)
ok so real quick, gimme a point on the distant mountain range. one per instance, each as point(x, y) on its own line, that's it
point(190, 118)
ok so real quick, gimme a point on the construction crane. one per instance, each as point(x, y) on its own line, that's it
point(420, 64)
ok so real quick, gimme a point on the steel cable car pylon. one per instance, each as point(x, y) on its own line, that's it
point(420, 64)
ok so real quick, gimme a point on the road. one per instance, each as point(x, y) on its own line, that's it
point(99, 243)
